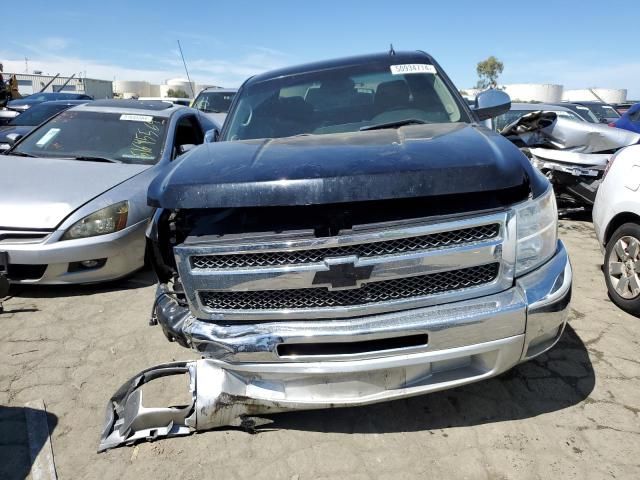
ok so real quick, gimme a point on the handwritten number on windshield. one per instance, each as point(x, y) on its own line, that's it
point(144, 140)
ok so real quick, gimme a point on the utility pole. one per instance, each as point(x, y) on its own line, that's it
point(26, 65)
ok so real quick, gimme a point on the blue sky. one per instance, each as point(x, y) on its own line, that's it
point(575, 43)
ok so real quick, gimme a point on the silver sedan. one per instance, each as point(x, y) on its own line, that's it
point(73, 206)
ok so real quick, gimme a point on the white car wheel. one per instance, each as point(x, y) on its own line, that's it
point(622, 267)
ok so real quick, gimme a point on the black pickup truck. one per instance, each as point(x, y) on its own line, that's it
point(352, 235)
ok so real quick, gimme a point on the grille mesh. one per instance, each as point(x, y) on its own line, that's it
point(397, 289)
point(374, 249)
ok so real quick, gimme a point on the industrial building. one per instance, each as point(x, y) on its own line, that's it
point(136, 89)
point(29, 83)
point(98, 89)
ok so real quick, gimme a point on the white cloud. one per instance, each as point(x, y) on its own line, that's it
point(202, 70)
point(54, 43)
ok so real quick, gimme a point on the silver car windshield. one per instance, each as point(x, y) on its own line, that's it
point(117, 137)
point(338, 100)
point(603, 111)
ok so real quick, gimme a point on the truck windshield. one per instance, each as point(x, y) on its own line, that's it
point(340, 100)
point(213, 102)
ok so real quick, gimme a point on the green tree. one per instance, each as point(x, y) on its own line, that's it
point(177, 93)
point(488, 72)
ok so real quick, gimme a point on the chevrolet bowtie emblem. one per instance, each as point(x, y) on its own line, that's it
point(342, 274)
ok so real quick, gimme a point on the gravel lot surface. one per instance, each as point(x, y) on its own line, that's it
point(572, 413)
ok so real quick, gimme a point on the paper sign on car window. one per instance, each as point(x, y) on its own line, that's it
point(412, 68)
point(47, 137)
point(136, 118)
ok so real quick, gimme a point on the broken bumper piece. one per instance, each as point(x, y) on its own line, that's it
point(219, 401)
point(233, 396)
point(127, 420)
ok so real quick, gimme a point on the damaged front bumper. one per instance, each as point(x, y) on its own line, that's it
point(262, 368)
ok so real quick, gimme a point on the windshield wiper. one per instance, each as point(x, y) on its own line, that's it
point(206, 110)
point(396, 124)
point(96, 159)
point(21, 154)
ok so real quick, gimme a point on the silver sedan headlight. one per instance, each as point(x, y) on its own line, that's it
point(537, 232)
point(107, 220)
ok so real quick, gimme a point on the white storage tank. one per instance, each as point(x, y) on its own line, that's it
point(131, 88)
point(608, 95)
point(534, 92)
point(177, 84)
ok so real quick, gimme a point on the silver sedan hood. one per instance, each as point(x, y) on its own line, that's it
point(41, 192)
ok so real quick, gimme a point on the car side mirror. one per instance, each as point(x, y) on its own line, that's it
point(211, 136)
point(491, 103)
point(182, 149)
point(13, 138)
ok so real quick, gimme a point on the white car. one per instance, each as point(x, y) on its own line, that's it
point(616, 217)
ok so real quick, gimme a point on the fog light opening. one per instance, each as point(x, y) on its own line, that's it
point(87, 265)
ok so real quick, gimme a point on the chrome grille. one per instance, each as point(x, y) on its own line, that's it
point(370, 270)
point(373, 249)
point(383, 291)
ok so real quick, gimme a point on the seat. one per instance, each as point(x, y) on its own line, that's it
point(333, 93)
point(392, 96)
point(291, 116)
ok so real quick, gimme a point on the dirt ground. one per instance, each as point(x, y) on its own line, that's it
point(572, 413)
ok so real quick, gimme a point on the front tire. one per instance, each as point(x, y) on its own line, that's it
point(622, 267)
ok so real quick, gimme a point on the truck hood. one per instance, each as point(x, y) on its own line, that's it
point(39, 193)
point(411, 161)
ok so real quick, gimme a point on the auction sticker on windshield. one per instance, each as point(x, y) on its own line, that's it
point(136, 118)
point(47, 137)
point(412, 68)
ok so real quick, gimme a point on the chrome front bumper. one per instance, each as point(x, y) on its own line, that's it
point(245, 373)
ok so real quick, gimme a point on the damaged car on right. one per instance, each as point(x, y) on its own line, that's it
point(573, 155)
point(353, 235)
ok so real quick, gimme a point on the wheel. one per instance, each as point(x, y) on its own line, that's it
point(622, 266)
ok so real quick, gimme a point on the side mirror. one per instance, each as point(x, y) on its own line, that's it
point(491, 103)
point(13, 138)
point(211, 136)
point(182, 149)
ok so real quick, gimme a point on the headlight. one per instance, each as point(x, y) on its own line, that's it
point(537, 232)
point(107, 220)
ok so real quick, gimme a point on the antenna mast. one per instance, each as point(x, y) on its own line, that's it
point(193, 94)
